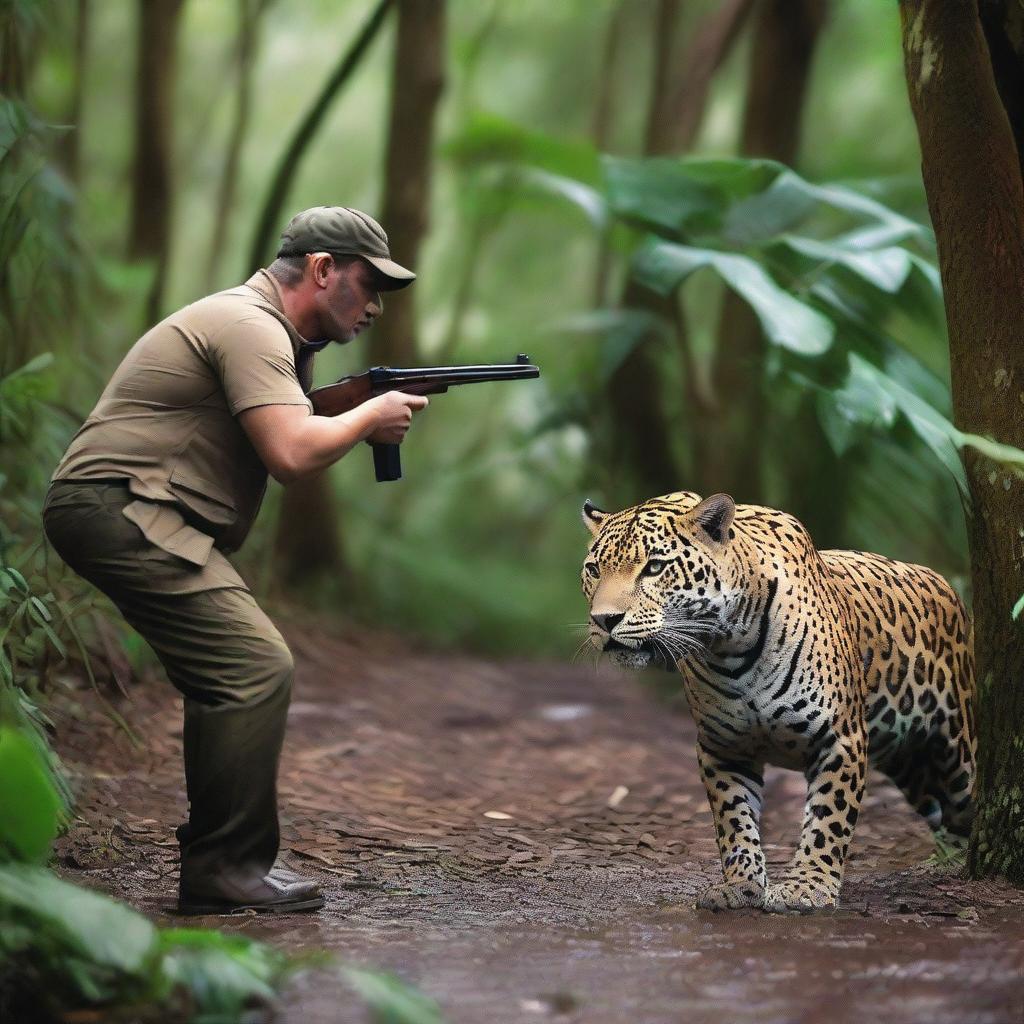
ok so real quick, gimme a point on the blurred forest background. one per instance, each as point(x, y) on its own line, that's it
point(525, 160)
point(705, 221)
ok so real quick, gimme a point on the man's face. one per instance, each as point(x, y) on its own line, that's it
point(350, 300)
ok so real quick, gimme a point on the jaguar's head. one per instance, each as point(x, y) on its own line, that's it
point(661, 578)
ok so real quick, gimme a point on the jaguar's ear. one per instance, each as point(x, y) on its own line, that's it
point(714, 516)
point(593, 517)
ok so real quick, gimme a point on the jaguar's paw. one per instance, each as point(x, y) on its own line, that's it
point(731, 896)
point(797, 898)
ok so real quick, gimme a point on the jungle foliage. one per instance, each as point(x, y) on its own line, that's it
point(64, 947)
point(545, 227)
point(546, 222)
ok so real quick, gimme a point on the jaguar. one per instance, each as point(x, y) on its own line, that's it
point(818, 661)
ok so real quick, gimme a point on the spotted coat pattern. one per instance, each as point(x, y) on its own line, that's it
point(815, 661)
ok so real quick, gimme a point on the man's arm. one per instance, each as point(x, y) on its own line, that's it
point(294, 444)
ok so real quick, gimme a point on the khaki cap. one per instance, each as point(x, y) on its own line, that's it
point(346, 232)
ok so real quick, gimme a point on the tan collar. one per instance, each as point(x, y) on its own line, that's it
point(268, 288)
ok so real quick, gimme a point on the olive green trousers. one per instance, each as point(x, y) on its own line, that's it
point(220, 651)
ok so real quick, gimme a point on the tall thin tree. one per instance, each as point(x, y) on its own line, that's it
point(268, 224)
point(637, 400)
point(70, 149)
point(314, 552)
point(785, 33)
point(149, 234)
point(250, 15)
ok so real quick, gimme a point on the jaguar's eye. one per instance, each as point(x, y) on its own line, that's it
point(592, 570)
point(654, 567)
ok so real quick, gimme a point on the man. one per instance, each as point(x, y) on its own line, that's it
point(167, 474)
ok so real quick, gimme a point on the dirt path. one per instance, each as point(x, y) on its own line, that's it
point(466, 820)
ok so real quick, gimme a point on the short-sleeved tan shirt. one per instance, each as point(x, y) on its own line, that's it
point(166, 422)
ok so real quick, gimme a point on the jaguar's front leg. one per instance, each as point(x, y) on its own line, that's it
point(835, 786)
point(734, 792)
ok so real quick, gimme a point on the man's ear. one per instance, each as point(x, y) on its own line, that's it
point(320, 265)
point(593, 517)
point(714, 516)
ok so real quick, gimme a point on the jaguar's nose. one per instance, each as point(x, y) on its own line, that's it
point(608, 622)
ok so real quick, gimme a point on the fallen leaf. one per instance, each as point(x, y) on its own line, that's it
point(618, 795)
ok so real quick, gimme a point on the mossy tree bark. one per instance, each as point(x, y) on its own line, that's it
point(972, 176)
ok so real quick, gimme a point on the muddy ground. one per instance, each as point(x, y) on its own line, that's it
point(524, 841)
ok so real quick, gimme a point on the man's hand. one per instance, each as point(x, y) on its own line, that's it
point(294, 444)
point(394, 409)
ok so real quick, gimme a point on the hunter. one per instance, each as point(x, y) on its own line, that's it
point(164, 480)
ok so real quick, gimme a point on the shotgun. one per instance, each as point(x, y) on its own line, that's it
point(347, 393)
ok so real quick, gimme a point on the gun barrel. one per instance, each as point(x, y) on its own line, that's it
point(386, 378)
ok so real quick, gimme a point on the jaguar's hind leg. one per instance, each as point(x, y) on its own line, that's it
point(951, 783)
point(937, 778)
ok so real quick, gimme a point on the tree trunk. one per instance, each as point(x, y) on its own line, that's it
point(730, 454)
point(19, 50)
point(314, 552)
point(641, 436)
point(601, 129)
point(972, 177)
point(307, 548)
point(416, 87)
point(149, 236)
point(268, 225)
point(712, 43)
point(250, 12)
point(70, 147)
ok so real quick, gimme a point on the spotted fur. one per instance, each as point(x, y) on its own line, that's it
point(820, 661)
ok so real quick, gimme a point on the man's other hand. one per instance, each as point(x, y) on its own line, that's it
point(395, 410)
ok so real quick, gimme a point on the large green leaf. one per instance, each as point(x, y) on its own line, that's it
point(877, 236)
point(587, 199)
point(662, 194)
point(788, 322)
point(30, 807)
point(35, 365)
point(619, 331)
point(781, 206)
point(489, 138)
point(878, 394)
point(886, 269)
point(225, 973)
point(847, 412)
point(790, 199)
point(735, 178)
point(390, 1000)
point(88, 924)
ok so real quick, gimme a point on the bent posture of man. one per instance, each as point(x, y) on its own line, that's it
point(167, 474)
